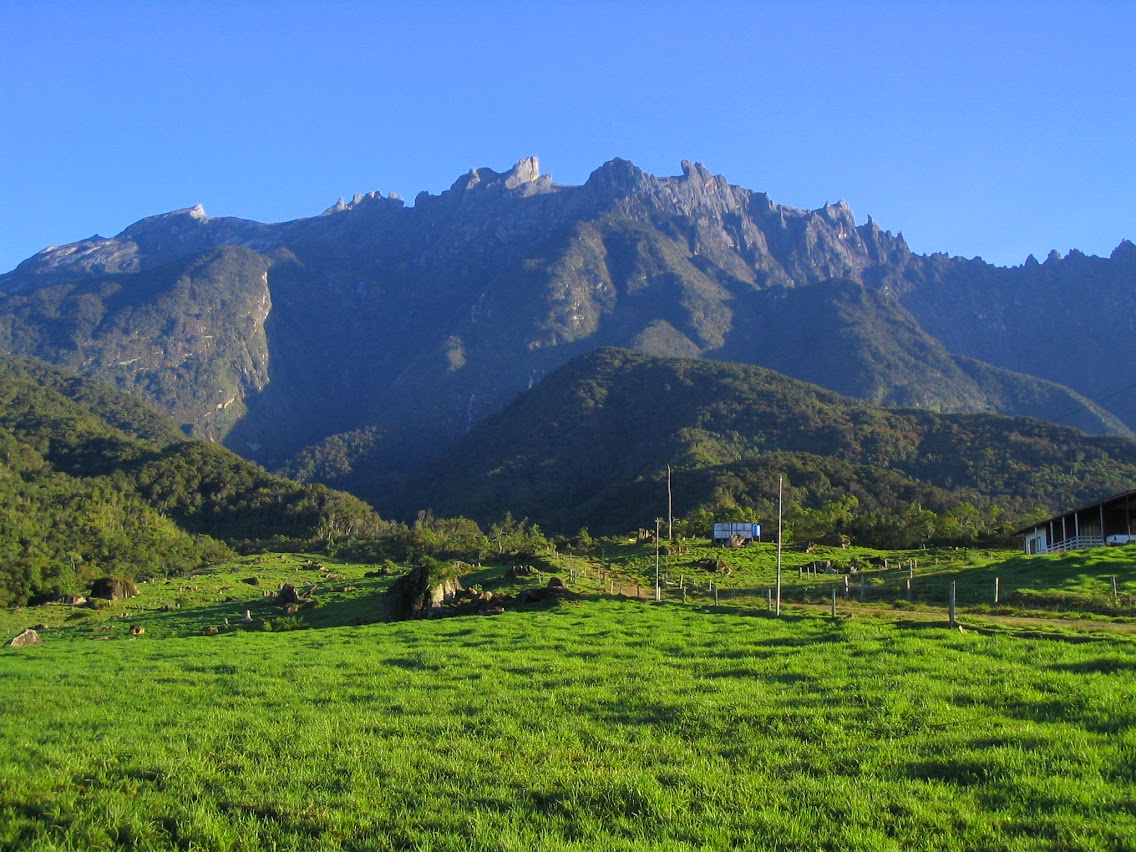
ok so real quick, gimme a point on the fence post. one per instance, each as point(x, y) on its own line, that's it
point(769, 600)
point(834, 601)
point(715, 595)
point(861, 586)
point(847, 587)
point(952, 606)
point(909, 589)
point(997, 589)
point(1114, 588)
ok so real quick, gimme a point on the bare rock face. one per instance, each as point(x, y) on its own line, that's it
point(27, 637)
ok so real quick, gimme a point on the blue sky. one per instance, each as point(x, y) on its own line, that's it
point(996, 129)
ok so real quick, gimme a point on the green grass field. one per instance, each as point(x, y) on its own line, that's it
point(604, 723)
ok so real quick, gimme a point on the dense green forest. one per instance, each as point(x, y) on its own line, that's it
point(95, 483)
point(589, 447)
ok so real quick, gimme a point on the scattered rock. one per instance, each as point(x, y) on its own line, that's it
point(25, 638)
point(252, 581)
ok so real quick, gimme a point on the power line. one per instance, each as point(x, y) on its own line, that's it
point(1097, 400)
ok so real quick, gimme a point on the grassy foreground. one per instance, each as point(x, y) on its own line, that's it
point(599, 724)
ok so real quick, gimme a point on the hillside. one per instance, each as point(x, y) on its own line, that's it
point(94, 483)
point(379, 333)
point(590, 444)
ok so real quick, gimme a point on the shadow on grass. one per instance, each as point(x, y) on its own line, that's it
point(1103, 665)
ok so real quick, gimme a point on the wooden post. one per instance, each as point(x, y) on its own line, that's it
point(715, 595)
point(847, 587)
point(997, 589)
point(1114, 588)
point(834, 601)
point(952, 603)
point(769, 600)
point(684, 594)
point(861, 586)
point(909, 589)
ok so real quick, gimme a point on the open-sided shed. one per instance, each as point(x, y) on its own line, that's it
point(1108, 521)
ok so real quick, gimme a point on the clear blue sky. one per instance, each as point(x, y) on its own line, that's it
point(994, 129)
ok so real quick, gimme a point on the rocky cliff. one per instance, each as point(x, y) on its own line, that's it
point(361, 341)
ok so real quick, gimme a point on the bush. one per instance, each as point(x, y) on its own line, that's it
point(284, 624)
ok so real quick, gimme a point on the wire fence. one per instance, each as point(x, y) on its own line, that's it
point(902, 587)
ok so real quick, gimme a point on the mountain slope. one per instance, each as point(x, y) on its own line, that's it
point(589, 446)
point(93, 482)
point(352, 346)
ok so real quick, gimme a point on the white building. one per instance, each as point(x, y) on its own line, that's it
point(1108, 521)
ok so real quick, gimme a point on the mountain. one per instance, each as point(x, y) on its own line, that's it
point(93, 482)
point(589, 447)
point(353, 346)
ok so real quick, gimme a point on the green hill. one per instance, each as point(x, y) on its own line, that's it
point(590, 444)
point(93, 483)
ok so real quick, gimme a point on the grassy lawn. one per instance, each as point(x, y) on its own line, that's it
point(598, 724)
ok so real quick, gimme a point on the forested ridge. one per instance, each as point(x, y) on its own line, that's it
point(589, 446)
point(95, 483)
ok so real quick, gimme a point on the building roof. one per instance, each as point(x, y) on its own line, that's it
point(1123, 495)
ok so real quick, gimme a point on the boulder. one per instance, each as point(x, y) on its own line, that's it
point(25, 638)
point(287, 595)
point(113, 588)
point(422, 593)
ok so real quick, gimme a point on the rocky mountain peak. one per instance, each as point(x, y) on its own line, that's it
point(1125, 251)
point(524, 176)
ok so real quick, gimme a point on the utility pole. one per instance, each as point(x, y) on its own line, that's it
point(779, 545)
point(658, 591)
point(670, 508)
